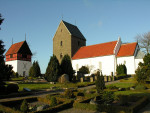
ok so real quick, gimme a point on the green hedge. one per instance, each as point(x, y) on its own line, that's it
point(113, 109)
point(57, 108)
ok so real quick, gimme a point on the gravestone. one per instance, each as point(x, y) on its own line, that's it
point(63, 78)
point(91, 79)
point(81, 79)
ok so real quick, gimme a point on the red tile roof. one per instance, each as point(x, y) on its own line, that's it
point(127, 49)
point(95, 50)
point(14, 48)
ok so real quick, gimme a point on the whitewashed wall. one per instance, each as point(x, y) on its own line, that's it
point(104, 63)
point(20, 66)
point(129, 62)
point(13, 63)
point(23, 66)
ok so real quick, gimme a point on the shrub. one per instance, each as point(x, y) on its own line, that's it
point(68, 93)
point(84, 70)
point(24, 106)
point(121, 69)
point(100, 84)
point(108, 97)
point(140, 87)
point(53, 101)
point(12, 88)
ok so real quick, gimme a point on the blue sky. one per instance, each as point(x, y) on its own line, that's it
point(99, 21)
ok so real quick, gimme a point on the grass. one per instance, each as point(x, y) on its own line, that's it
point(38, 86)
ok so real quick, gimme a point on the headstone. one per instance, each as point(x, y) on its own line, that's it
point(81, 79)
point(63, 78)
point(112, 77)
point(91, 79)
point(109, 78)
point(105, 78)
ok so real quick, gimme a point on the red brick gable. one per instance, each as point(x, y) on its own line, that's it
point(14, 48)
point(102, 49)
point(127, 49)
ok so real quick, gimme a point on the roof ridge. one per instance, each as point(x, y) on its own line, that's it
point(128, 43)
point(99, 44)
point(69, 23)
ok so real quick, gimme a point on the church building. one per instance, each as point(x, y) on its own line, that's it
point(105, 56)
point(19, 56)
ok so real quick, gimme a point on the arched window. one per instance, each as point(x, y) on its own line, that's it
point(61, 43)
point(100, 65)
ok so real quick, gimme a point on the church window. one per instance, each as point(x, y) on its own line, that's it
point(77, 67)
point(124, 62)
point(11, 55)
point(61, 43)
point(61, 30)
point(61, 56)
point(100, 65)
point(24, 73)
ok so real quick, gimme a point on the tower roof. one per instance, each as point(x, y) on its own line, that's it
point(20, 47)
point(102, 49)
point(74, 30)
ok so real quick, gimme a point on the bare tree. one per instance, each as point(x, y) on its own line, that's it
point(144, 41)
point(1, 20)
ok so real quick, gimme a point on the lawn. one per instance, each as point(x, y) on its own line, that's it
point(122, 84)
point(38, 86)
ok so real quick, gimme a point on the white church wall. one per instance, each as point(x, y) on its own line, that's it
point(13, 63)
point(129, 62)
point(23, 67)
point(104, 63)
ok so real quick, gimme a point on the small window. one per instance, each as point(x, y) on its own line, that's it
point(77, 67)
point(11, 56)
point(100, 65)
point(24, 73)
point(61, 56)
point(124, 62)
point(61, 43)
point(78, 43)
point(61, 30)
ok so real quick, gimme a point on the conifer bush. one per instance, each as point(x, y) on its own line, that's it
point(53, 101)
point(100, 83)
point(24, 106)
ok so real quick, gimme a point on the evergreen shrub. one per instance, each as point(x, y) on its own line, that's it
point(24, 106)
point(12, 88)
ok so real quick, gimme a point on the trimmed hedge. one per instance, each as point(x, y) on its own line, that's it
point(59, 107)
point(113, 109)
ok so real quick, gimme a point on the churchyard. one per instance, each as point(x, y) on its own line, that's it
point(125, 95)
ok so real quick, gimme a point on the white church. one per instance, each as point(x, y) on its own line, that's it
point(106, 57)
